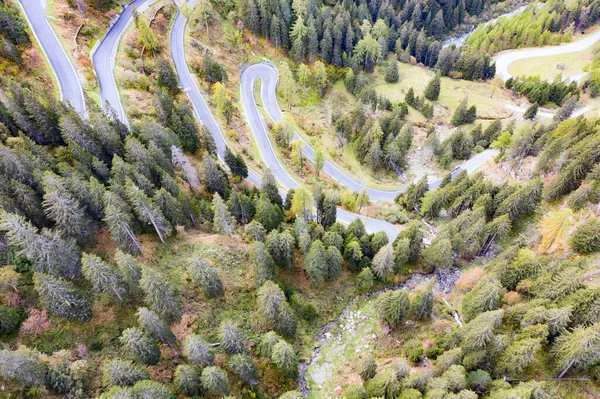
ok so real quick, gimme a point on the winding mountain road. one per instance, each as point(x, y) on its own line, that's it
point(267, 153)
point(269, 77)
point(104, 53)
point(506, 58)
point(70, 88)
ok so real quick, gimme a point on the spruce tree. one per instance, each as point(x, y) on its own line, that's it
point(269, 187)
point(140, 345)
point(270, 298)
point(151, 389)
point(206, 277)
point(187, 380)
point(334, 263)
point(102, 276)
point(232, 338)
point(47, 250)
point(150, 322)
point(393, 306)
point(392, 75)
point(482, 298)
point(62, 298)
point(197, 351)
point(383, 262)
point(147, 211)
point(315, 263)
point(161, 294)
point(264, 266)
point(222, 219)
point(24, 366)
point(122, 372)
point(586, 237)
point(120, 223)
point(130, 271)
point(422, 305)
point(432, 91)
point(214, 379)
point(242, 365)
point(284, 358)
point(531, 112)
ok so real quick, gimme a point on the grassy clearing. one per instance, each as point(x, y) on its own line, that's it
point(489, 97)
point(546, 67)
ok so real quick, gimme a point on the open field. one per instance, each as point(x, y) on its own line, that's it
point(546, 67)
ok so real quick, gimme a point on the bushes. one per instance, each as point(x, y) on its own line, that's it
point(413, 350)
point(586, 238)
point(10, 320)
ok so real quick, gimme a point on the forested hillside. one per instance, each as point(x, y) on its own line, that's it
point(548, 23)
point(137, 261)
point(358, 33)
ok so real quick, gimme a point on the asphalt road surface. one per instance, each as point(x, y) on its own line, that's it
point(103, 57)
point(269, 77)
point(505, 59)
point(68, 82)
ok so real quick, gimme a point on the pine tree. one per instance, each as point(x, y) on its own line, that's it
point(170, 207)
point(122, 372)
point(315, 263)
point(22, 365)
point(392, 75)
point(353, 255)
point(155, 326)
point(140, 345)
point(187, 380)
point(197, 351)
point(383, 262)
point(161, 294)
point(284, 358)
point(222, 220)
point(214, 379)
point(432, 91)
point(62, 298)
point(264, 266)
point(286, 321)
point(102, 276)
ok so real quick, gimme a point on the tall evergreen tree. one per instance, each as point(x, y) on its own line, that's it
point(62, 298)
point(102, 276)
point(161, 294)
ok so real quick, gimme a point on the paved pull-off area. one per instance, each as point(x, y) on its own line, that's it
point(68, 82)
